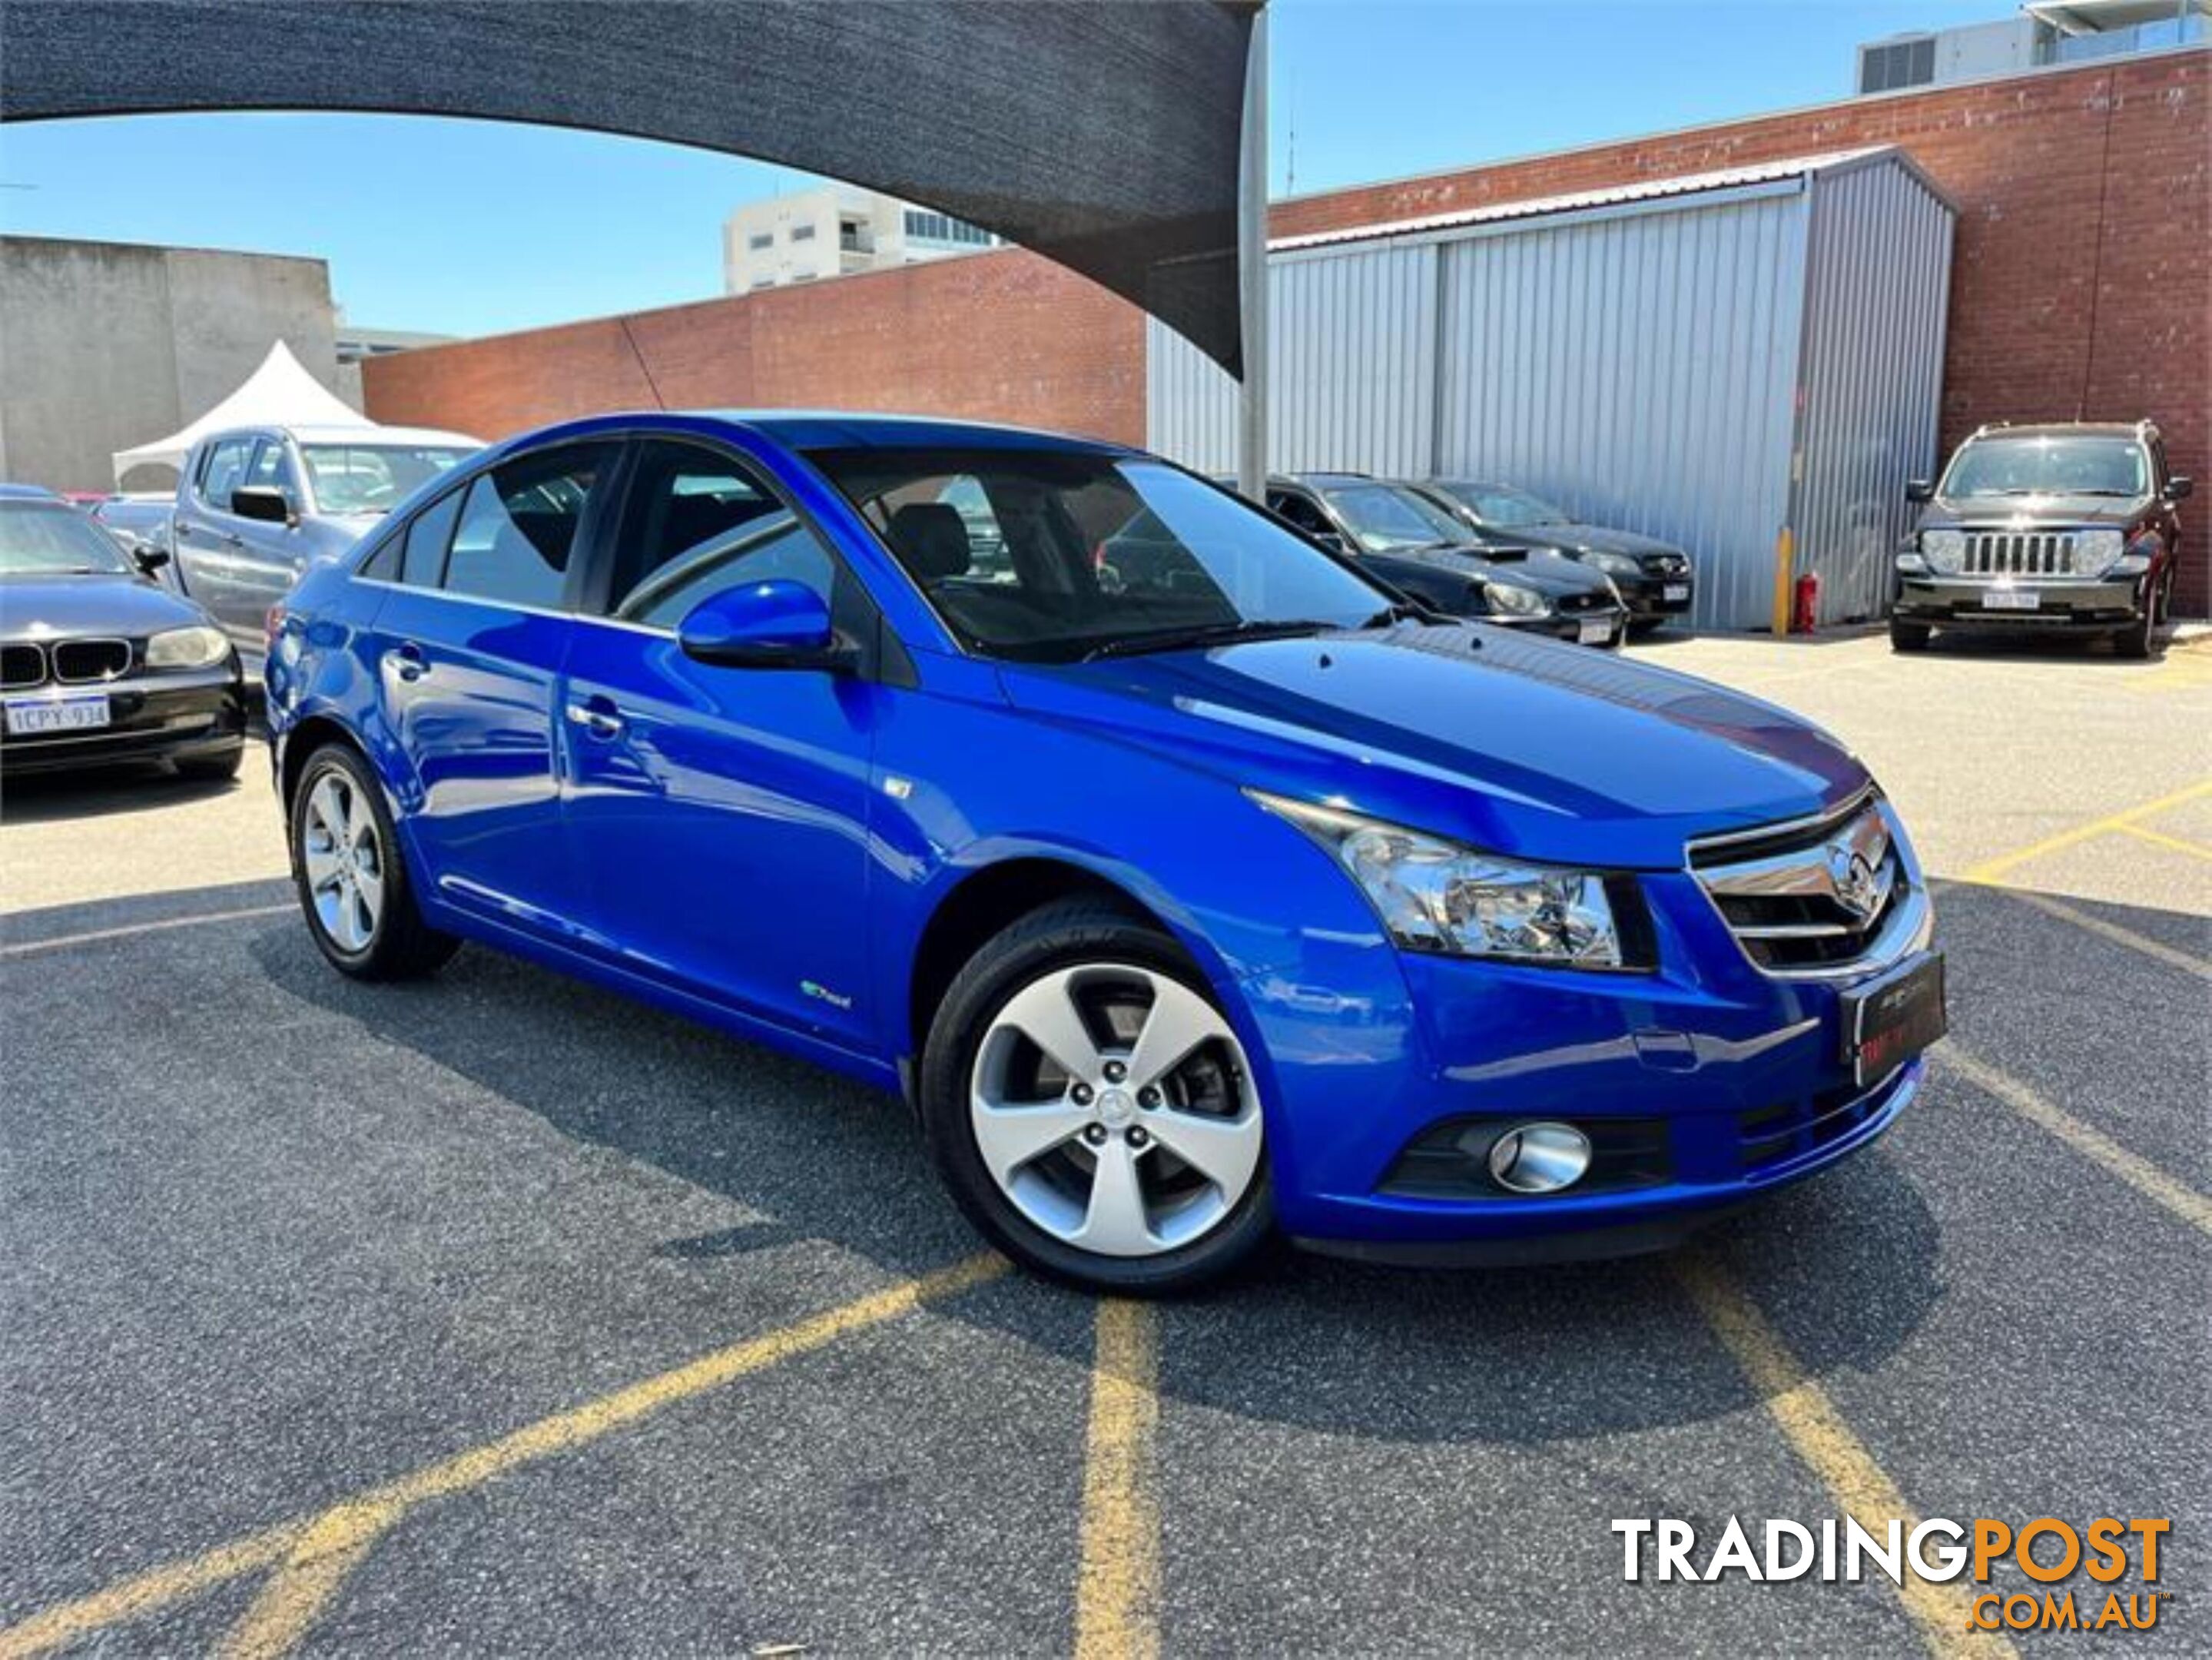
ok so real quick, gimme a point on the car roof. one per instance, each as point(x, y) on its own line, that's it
point(27, 493)
point(365, 433)
point(2061, 429)
point(820, 430)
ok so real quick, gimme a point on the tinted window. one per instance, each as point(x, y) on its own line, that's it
point(44, 538)
point(272, 469)
point(423, 555)
point(518, 523)
point(225, 471)
point(373, 477)
point(1300, 512)
point(2049, 466)
point(697, 521)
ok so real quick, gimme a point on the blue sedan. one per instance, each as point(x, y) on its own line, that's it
point(1231, 897)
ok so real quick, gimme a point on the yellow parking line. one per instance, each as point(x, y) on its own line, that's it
point(2172, 955)
point(31, 947)
point(314, 1549)
point(1117, 1597)
point(1816, 1431)
point(1990, 870)
point(2139, 1173)
point(2172, 843)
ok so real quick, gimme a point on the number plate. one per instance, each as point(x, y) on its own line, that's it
point(1594, 632)
point(77, 711)
point(1888, 1022)
point(2012, 600)
point(1673, 591)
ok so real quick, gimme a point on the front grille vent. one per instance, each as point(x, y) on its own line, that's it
point(2021, 553)
point(78, 661)
point(1666, 564)
point(22, 665)
point(1813, 897)
point(1593, 600)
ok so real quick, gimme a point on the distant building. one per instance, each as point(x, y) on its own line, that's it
point(355, 343)
point(835, 231)
point(2046, 32)
point(104, 345)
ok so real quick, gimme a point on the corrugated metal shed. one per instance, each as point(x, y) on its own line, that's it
point(1704, 359)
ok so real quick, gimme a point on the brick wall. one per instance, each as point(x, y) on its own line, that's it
point(1003, 336)
point(2082, 286)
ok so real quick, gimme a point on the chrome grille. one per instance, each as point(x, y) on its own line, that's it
point(78, 661)
point(2020, 553)
point(22, 665)
point(1806, 897)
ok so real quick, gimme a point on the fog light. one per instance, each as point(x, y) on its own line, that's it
point(1539, 1158)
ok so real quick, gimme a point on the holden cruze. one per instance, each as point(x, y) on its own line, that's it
point(1234, 896)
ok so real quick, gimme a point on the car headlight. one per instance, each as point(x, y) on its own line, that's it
point(1437, 896)
point(1912, 563)
point(193, 648)
point(1945, 550)
point(1618, 564)
point(1511, 601)
point(2129, 565)
point(2094, 550)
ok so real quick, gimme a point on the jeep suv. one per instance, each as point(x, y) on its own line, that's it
point(2048, 529)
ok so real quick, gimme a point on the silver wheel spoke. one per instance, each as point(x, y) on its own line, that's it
point(1225, 1151)
point(1179, 1021)
point(1114, 1222)
point(369, 884)
point(1045, 1014)
point(1010, 1137)
point(321, 865)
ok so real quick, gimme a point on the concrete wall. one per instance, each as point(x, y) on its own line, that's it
point(107, 344)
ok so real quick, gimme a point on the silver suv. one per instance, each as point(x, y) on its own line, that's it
point(255, 505)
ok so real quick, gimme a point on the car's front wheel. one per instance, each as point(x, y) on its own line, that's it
point(1091, 1110)
point(351, 880)
point(1907, 636)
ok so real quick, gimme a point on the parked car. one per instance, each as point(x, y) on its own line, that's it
point(2066, 528)
point(99, 663)
point(256, 505)
point(1406, 540)
point(1655, 581)
point(1182, 911)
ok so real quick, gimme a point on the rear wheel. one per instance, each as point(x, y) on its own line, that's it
point(350, 878)
point(1090, 1110)
point(1907, 636)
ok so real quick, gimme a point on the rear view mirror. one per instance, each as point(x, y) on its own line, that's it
point(774, 624)
point(2177, 487)
point(1920, 490)
point(261, 502)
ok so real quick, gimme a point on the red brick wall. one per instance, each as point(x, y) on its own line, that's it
point(1004, 336)
point(2081, 285)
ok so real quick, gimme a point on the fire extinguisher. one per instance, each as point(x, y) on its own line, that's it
point(1805, 609)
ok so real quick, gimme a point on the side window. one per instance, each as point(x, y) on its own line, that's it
point(224, 471)
point(272, 469)
point(699, 522)
point(1296, 510)
point(422, 559)
point(517, 525)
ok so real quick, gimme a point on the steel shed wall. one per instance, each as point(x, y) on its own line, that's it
point(1879, 291)
point(1638, 370)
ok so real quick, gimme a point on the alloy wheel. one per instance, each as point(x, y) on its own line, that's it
point(344, 858)
point(1112, 1107)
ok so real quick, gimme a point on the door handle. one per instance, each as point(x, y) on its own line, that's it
point(596, 718)
point(406, 662)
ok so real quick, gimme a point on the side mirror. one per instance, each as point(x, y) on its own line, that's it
point(2179, 487)
point(147, 557)
point(265, 502)
point(1920, 490)
point(773, 624)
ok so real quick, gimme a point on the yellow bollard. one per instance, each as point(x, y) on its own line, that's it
point(1785, 555)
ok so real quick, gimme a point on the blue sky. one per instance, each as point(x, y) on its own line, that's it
point(472, 228)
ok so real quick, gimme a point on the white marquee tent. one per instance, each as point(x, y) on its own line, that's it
point(280, 394)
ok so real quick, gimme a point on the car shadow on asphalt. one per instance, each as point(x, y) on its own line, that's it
point(45, 798)
point(1519, 1355)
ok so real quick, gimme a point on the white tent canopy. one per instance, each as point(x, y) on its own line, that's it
point(280, 394)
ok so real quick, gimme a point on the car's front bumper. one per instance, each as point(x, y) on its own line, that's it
point(1610, 626)
point(1702, 1085)
point(152, 717)
point(2062, 605)
point(1647, 598)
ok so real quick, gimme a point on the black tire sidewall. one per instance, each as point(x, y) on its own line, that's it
point(1062, 937)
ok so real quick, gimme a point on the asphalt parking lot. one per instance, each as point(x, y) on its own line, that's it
point(499, 1315)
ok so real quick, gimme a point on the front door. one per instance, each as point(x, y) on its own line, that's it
point(208, 540)
point(718, 816)
point(269, 557)
point(470, 650)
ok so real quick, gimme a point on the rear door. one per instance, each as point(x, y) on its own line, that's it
point(471, 641)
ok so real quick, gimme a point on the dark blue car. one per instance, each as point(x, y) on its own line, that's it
point(1234, 897)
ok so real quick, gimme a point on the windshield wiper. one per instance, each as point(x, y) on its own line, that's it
point(1211, 633)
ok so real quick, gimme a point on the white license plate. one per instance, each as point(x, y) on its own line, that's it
point(2012, 600)
point(1594, 631)
point(77, 711)
point(1674, 591)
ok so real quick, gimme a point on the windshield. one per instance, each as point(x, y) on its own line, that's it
point(373, 477)
point(1047, 556)
point(2048, 466)
point(47, 539)
point(1385, 517)
point(1504, 507)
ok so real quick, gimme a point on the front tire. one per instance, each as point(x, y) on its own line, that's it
point(1907, 636)
point(1090, 1109)
point(350, 877)
point(2134, 641)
